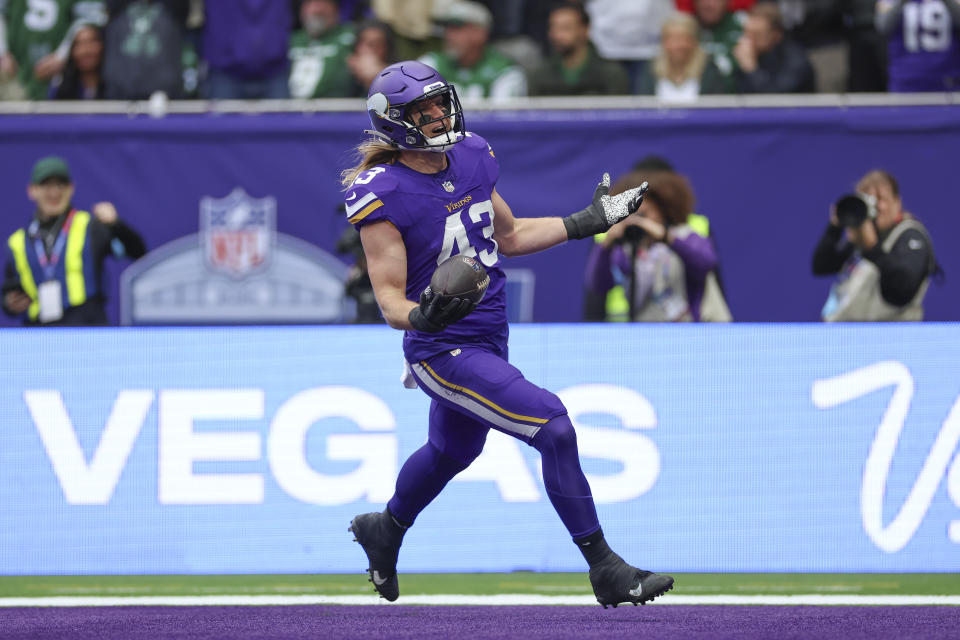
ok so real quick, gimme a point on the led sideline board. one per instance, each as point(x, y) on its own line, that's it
point(709, 448)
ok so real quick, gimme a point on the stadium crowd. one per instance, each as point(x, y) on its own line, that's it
point(673, 49)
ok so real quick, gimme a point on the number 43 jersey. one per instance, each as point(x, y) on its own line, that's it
point(440, 215)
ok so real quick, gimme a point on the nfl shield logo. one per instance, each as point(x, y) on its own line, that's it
point(448, 186)
point(238, 232)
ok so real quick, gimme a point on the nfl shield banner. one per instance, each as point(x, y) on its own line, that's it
point(238, 232)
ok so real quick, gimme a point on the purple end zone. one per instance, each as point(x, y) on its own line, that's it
point(553, 622)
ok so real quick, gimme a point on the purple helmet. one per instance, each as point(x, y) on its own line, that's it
point(398, 101)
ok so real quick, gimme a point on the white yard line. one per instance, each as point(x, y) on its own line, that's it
point(454, 599)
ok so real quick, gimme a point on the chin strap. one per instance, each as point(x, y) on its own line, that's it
point(455, 135)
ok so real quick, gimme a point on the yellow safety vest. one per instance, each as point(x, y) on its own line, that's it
point(76, 285)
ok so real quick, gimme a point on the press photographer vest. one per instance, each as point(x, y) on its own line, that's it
point(856, 296)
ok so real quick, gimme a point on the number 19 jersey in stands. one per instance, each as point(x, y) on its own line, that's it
point(924, 50)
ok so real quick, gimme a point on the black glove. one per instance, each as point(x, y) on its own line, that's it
point(605, 210)
point(437, 312)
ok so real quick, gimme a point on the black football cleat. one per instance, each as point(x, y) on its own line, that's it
point(615, 582)
point(381, 542)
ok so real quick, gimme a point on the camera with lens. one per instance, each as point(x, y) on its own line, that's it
point(854, 208)
point(633, 234)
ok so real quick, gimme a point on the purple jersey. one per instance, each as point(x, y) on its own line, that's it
point(440, 215)
point(924, 52)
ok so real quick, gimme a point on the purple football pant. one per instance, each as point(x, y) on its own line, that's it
point(472, 392)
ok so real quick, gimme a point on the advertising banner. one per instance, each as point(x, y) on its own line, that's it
point(708, 448)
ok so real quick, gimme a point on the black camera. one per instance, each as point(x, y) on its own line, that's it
point(633, 234)
point(854, 208)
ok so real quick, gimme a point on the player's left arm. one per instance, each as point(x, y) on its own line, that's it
point(522, 236)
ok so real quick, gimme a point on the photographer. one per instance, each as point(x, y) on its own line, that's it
point(882, 254)
point(357, 284)
point(661, 262)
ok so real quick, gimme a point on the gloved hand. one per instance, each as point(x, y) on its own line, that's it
point(605, 210)
point(437, 312)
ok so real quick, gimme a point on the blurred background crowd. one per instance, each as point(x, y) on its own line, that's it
point(673, 49)
point(662, 264)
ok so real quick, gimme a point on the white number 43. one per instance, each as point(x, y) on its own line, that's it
point(455, 233)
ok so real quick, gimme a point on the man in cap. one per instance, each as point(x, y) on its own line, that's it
point(54, 267)
point(467, 62)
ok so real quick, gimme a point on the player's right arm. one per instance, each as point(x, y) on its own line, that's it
point(387, 265)
point(605, 210)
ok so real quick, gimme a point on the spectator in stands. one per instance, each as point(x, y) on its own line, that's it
point(628, 31)
point(866, 57)
point(733, 5)
point(467, 61)
point(412, 22)
point(682, 70)
point(355, 10)
point(144, 48)
point(923, 49)
point(318, 52)
point(246, 47)
point(10, 88)
point(81, 78)
point(54, 267)
point(720, 31)
point(35, 43)
point(656, 252)
point(373, 50)
point(520, 29)
point(817, 26)
point(575, 68)
point(840, 40)
point(769, 61)
point(882, 255)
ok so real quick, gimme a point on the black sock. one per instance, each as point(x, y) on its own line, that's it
point(396, 525)
point(593, 547)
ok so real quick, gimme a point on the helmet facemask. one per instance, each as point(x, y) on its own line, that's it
point(431, 122)
point(435, 116)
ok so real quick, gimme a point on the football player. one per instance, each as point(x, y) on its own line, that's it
point(423, 190)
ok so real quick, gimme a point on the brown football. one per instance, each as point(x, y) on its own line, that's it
point(462, 277)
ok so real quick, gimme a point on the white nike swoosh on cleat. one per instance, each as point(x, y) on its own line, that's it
point(351, 196)
point(377, 580)
point(638, 591)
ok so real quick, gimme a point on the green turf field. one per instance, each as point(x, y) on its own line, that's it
point(477, 583)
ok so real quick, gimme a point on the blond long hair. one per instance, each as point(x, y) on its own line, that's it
point(370, 152)
point(694, 68)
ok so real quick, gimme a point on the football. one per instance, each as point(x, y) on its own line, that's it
point(462, 277)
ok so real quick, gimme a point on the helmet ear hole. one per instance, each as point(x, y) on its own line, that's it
point(378, 103)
